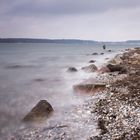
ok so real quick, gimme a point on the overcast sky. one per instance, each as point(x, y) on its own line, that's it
point(106, 20)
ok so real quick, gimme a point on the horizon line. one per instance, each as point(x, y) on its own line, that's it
point(76, 39)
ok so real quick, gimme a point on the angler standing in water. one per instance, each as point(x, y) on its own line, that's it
point(104, 47)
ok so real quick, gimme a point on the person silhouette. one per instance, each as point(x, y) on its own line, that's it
point(104, 47)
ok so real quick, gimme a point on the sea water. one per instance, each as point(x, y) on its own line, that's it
point(30, 72)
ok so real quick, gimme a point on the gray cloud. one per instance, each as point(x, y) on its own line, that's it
point(85, 19)
point(64, 7)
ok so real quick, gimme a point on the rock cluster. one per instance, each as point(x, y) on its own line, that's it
point(118, 114)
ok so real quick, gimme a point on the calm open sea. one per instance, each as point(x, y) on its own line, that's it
point(31, 72)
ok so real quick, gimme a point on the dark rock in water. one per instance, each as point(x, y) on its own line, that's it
point(39, 80)
point(72, 69)
point(101, 53)
point(92, 61)
point(116, 68)
point(88, 88)
point(14, 66)
point(95, 53)
point(106, 58)
point(18, 66)
point(40, 112)
point(90, 68)
point(109, 50)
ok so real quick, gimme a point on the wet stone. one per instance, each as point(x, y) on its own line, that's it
point(92, 61)
point(90, 68)
point(94, 53)
point(72, 69)
point(39, 113)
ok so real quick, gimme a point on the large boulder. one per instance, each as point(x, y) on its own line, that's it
point(135, 56)
point(90, 68)
point(135, 62)
point(117, 59)
point(135, 59)
point(89, 88)
point(40, 112)
point(72, 69)
point(116, 68)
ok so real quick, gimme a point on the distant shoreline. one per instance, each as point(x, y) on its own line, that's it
point(63, 41)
